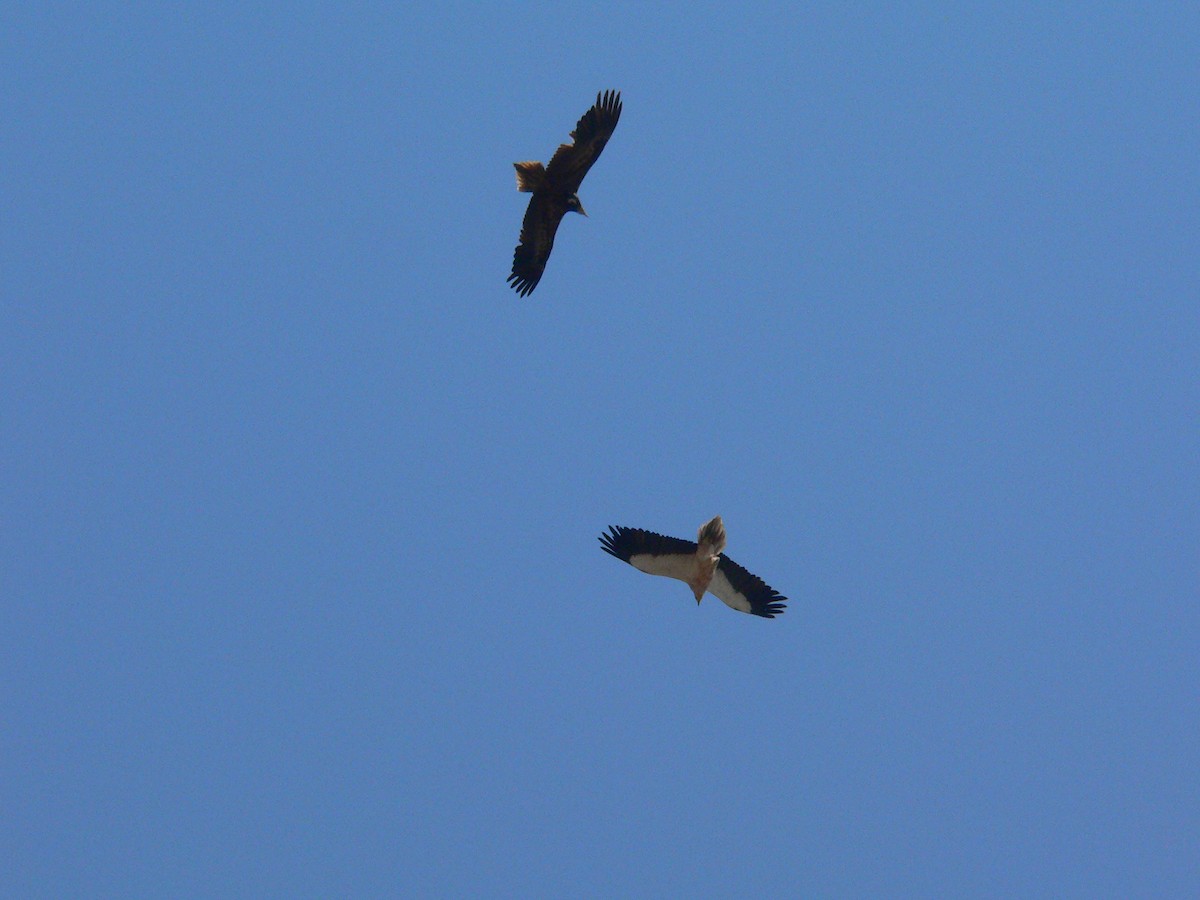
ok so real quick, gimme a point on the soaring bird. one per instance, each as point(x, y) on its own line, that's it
point(554, 186)
point(703, 567)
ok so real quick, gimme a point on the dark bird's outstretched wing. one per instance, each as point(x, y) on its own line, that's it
point(745, 591)
point(572, 161)
point(537, 239)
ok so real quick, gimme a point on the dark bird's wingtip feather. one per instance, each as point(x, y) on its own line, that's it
point(522, 285)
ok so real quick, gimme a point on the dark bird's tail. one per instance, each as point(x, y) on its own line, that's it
point(530, 176)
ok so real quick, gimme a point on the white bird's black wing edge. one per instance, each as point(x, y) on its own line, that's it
point(764, 600)
point(624, 542)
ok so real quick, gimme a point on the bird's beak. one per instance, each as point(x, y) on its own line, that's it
point(582, 211)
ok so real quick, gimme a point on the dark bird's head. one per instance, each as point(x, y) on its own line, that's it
point(573, 205)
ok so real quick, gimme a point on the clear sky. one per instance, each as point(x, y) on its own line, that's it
point(301, 587)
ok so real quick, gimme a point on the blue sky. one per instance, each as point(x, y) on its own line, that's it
point(300, 504)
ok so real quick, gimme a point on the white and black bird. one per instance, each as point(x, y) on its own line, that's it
point(702, 566)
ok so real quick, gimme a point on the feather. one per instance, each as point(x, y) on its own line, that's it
point(530, 176)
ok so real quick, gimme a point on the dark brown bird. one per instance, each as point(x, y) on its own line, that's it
point(554, 186)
